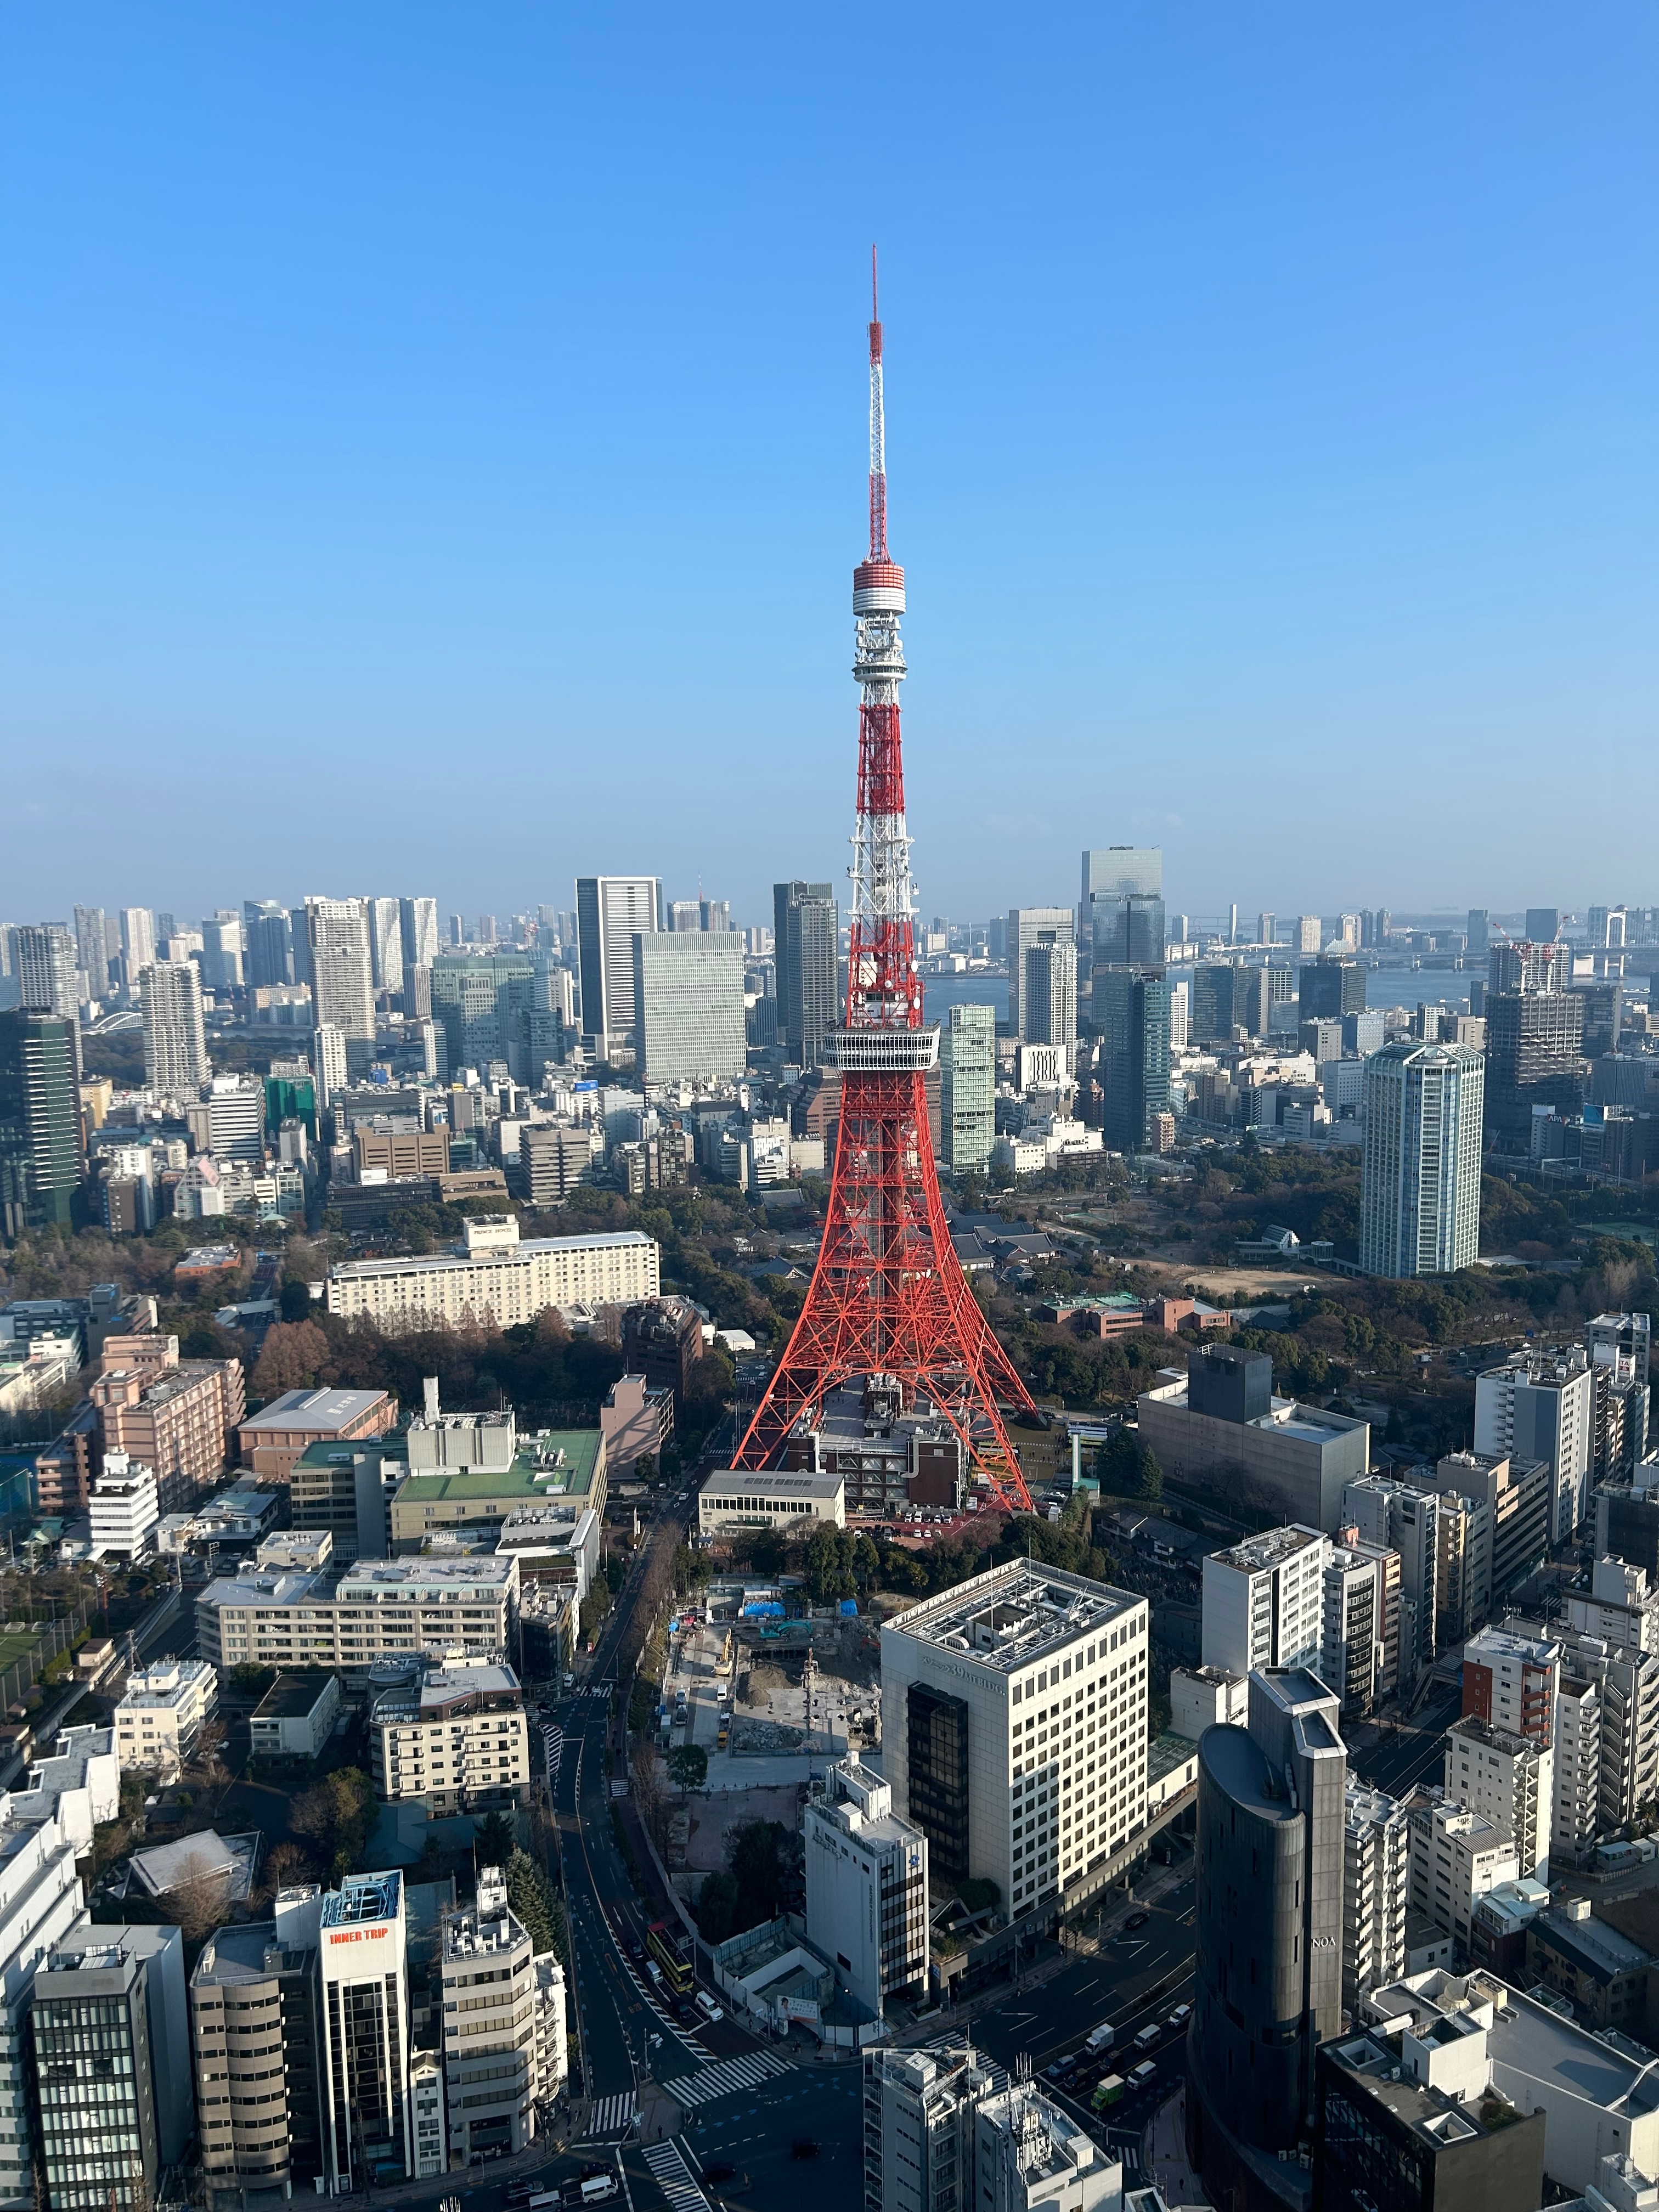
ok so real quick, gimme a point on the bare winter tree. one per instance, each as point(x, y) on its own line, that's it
point(201, 1899)
point(650, 1797)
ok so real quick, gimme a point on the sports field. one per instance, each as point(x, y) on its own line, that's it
point(14, 1643)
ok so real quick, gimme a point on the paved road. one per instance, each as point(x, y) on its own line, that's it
point(1400, 1758)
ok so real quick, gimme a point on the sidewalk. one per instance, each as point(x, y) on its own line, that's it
point(1165, 2151)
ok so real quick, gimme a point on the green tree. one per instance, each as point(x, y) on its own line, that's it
point(294, 1302)
point(535, 1905)
point(339, 1810)
point(754, 1853)
point(688, 1766)
point(497, 1838)
point(717, 1907)
point(1151, 1476)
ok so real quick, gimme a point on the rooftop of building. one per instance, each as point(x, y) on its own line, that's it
point(376, 1582)
point(1372, 2062)
point(326, 1411)
point(552, 1463)
point(231, 1860)
point(1050, 2146)
point(1509, 1641)
point(362, 1898)
point(727, 1481)
point(1167, 1752)
point(1508, 1906)
point(1523, 2034)
point(1270, 1549)
point(513, 1255)
point(248, 1953)
point(1370, 1808)
point(1012, 1614)
point(169, 1682)
point(295, 1696)
point(442, 1689)
point(1594, 1944)
point(1243, 1769)
point(1474, 1730)
point(1286, 1416)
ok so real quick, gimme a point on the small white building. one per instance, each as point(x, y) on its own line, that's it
point(490, 2001)
point(161, 1715)
point(1207, 1696)
point(1456, 1857)
point(866, 1888)
point(125, 1507)
point(737, 1502)
point(426, 2105)
point(295, 1715)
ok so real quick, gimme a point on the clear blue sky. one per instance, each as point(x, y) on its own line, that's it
point(432, 448)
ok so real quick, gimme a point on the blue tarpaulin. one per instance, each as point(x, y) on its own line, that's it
point(849, 1605)
point(762, 1611)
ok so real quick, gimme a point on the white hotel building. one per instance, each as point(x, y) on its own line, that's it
point(1014, 1726)
point(499, 1279)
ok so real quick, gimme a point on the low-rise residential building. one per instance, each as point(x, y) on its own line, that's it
point(738, 1501)
point(866, 1888)
point(1456, 1857)
point(1510, 1780)
point(295, 1717)
point(1375, 1888)
point(271, 1440)
point(124, 1508)
point(161, 1715)
point(493, 2038)
point(455, 1737)
point(347, 1619)
point(500, 1286)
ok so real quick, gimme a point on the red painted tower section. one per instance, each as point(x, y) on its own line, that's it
point(888, 1296)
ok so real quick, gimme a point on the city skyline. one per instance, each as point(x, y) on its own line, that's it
point(332, 478)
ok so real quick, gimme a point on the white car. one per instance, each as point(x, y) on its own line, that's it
point(707, 2006)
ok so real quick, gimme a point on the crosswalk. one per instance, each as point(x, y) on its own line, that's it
point(725, 2076)
point(611, 2116)
point(673, 2176)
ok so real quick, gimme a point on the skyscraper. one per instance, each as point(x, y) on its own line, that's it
point(417, 920)
point(1048, 999)
point(1123, 871)
point(482, 1002)
point(137, 943)
point(223, 951)
point(329, 1064)
point(1122, 912)
point(45, 970)
point(385, 943)
point(343, 974)
point(806, 935)
point(43, 1153)
point(175, 1044)
point(1330, 987)
point(1029, 926)
point(1268, 1968)
point(967, 1088)
point(267, 955)
point(687, 1005)
point(1543, 924)
point(1479, 928)
point(1132, 1020)
point(1419, 1207)
point(611, 911)
point(91, 949)
point(365, 2029)
point(1535, 1055)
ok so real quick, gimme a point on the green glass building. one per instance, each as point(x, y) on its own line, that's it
point(43, 1150)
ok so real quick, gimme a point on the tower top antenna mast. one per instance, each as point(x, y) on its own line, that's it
point(878, 428)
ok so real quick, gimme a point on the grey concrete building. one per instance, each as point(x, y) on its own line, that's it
point(1220, 1425)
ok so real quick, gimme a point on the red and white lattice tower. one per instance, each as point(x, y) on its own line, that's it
point(888, 1296)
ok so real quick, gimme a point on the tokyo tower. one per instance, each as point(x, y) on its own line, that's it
point(889, 1299)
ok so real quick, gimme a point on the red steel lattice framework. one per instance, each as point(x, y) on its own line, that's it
point(888, 1296)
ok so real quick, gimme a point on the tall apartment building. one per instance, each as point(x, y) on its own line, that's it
point(1014, 1726)
point(256, 2042)
point(137, 942)
point(968, 1089)
point(1509, 1681)
point(688, 1016)
point(176, 1043)
point(110, 2058)
point(1353, 1645)
point(365, 2038)
point(866, 1888)
point(46, 970)
point(176, 1417)
point(611, 911)
point(511, 1282)
point(1269, 1967)
point(1509, 1779)
point(1030, 926)
point(43, 1149)
point(1131, 1019)
point(342, 975)
point(1456, 1857)
point(1376, 1851)
point(417, 923)
point(92, 948)
point(267, 945)
point(453, 1738)
point(807, 938)
point(919, 2109)
point(40, 1901)
point(1534, 1056)
point(385, 943)
point(1264, 1601)
point(1540, 1406)
point(1049, 995)
point(492, 2050)
point(1420, 1205)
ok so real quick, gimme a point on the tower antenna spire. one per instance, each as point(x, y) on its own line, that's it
point(878, 428)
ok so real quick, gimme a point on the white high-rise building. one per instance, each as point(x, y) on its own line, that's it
point(1376, 1853)
point(919, 2108)
point(1181, 1015)
point(385, 942)
point(688, 1017)
point(866, 1888)
point(342, 971)
point(137, 942)
point(123, 1507)
point(492, 2035)
point(1029, 926)
point(418, 922)
point(41, 1900)
point(329, 1065)
point(1048, 998)
point(1419, 1202)
point(1541, 1404)
point(365, 2031)
point(1509, 1778)
point(175, 1042)
point(1264, 1602)
point(1014, 1726)
point(610, 912)
point(46, 969)
point(1309, 936)
point(223, 951)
